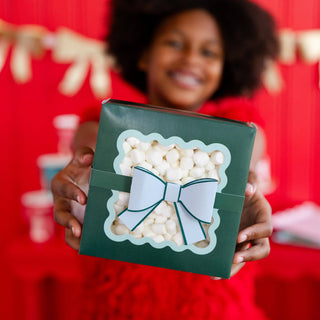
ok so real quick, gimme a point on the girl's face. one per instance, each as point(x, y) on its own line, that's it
point(184, 62)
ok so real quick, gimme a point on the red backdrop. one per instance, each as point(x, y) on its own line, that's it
point(292, 117)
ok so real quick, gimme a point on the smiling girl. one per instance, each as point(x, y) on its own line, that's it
point(181, 54)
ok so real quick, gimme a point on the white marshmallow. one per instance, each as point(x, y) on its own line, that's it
point(217, 157)
point(162, 168)
point(159, 228)
point(177, 238)
point(185, 173)
point(171, 210)
point(137, 156)
point(152, 215)
point(186, 153)
point(196, 172)
point(148, 221)
point(186, 163)
point(123, 198)
point(146, 165)
point(126, 147)
point(213, 174)
point(200, 158)
point(147, 232)
point(154, 171)
point(127, 162)
point(165, 148)
point(160, 207)
point(118, 221)
point(160, 219)
point(173, 174)
point(187, 180)
point(121, 229)
point(144, 146)
point(125, 169)
point(158, 238)
point(157, 148)
point(172, 156)
point(138, 229)
point(210, 166)
point(154, 157)
point(118, 207)
point(171, 226)
point(165, 211)
point(133, 141)
point(175, 164)
point(167, 236)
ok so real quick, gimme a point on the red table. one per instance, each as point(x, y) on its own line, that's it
point(288, 284)
point(47, 279)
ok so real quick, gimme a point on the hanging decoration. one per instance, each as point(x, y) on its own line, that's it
point(287, 39)
point(82, 53)
point(87, 57)
point(309, 45)
point(26, 42)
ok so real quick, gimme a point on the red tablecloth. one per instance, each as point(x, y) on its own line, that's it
point(48, 278)
point(288, 285)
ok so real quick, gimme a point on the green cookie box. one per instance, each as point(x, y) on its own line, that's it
point(119, 120)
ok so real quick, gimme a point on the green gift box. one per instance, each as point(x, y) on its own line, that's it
point(181, 209)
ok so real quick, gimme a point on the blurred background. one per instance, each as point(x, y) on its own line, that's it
point(52, 68)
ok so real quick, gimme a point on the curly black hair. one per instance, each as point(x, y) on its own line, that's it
point(248, 33)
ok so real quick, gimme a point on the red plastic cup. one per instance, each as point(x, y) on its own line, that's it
point(50, 164)
point(66, 126)
point(38, 209)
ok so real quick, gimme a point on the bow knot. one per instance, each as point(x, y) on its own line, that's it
point(172, 192)
point(193, 202)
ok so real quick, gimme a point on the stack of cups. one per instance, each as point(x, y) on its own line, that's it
point(37, 209)
point(38, 205)
point(50, 164)
point(66, 125)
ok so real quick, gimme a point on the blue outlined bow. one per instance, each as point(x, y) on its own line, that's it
point(193, 202)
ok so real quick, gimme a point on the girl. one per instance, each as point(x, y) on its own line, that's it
point(181, 53)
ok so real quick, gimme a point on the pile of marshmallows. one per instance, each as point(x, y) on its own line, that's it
point(172, 164)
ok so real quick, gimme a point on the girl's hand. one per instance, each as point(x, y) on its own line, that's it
point(69, 189)
point(255, 227)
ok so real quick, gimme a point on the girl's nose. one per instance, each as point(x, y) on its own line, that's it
point(190, 54)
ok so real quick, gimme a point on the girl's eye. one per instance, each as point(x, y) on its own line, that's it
point(174, 44)
point(209, 53)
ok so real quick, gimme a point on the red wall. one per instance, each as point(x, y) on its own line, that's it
point(292, 118)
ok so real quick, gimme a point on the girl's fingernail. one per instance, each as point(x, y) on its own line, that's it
point(76, 232)
point(239, 259)
point(249, 188)
point(243, 238)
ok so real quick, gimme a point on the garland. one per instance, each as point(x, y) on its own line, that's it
point(86, 54)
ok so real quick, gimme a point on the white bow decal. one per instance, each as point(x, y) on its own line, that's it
point(193, 202)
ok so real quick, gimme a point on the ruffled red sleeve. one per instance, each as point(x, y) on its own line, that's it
point(241, 109)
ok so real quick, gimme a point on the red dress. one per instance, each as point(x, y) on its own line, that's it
point(120, 290)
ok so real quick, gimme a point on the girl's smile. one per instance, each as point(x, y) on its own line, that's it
point(185, 79)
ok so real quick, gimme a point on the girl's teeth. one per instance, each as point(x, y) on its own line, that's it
point(186, 79)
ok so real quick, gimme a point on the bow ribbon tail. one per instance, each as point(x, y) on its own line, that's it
point(191, 228)
point(132, 218)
